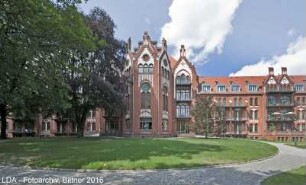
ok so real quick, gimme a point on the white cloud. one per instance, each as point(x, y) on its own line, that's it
point(291, 32)
point(202, 26)
point(294, 59)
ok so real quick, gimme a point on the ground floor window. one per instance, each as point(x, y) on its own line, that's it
point(253, 128)
point(165, 125)
point(46, 126)
point(91, 126)
point(145, 124)
point(182, 127)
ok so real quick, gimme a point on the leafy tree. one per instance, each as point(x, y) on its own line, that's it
point(209, 117)
point(96, 79)
point(37, 38)
point(202, 113)
point(220, 120)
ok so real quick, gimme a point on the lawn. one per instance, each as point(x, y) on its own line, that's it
point(293, 177)
point(130, 153)
point(298, 145)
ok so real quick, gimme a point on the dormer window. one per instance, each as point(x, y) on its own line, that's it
point(235, 88)
point(206, 88)
point(221, 88)
point(252, 88)
point(299, 87)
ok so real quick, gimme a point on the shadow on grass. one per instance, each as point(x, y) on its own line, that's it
point(105, 153)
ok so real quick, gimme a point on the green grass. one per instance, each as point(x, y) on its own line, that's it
point(293, 177)
point(130, 153)
point(298, 145)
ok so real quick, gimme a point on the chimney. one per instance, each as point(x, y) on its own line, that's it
point(182, 51)
point(271, 71)
point(164, 43)
point(284, 70)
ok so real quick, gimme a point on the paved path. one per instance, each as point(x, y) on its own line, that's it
point(243, 174)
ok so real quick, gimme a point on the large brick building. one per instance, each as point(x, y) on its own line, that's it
point(161, 92)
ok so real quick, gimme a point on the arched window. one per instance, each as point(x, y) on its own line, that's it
point(145, 69)
point(140, 68)
point(150, 70)
point(188, 79)
point(165, 98)
point(145, 96)
point(178, 79)
point(183, 79)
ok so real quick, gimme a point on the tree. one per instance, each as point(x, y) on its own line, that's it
point(203, 114)
point(209, 116)
point(36, 40)
point(96, 79)
point(220, 120)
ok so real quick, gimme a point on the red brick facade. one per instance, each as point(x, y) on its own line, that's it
point(162, 92)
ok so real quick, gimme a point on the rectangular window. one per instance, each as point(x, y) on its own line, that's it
point(205, 88)
point(183, 93)
point(252, 88)
point(182, 111)
point(255, 115)
point(256, 101)
point(235, 88)
point(251, 101)
point(128, 124)
point(299, 87)
point(221, 88)
point(182, 127)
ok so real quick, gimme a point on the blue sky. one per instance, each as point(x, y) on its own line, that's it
point(255, 32)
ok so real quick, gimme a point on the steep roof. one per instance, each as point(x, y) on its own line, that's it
point(172, 61)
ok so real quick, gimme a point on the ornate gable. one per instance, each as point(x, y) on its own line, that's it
point(271, 81)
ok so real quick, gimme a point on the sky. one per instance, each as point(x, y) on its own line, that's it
point(221, 37)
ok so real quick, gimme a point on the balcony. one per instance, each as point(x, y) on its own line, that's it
point(236, 105)
point(183, 83)
point(280, 90)
point(300, 121)
point(253, 121)
point(237, 119)
point(277, 104)
point(180, 99)
point(281, 119)
point(183, 116)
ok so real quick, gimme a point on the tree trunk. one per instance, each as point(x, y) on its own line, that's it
point(80, 129)
point(3, 120)
point(80, 119)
